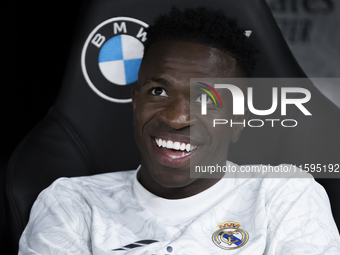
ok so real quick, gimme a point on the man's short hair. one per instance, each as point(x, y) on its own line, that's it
point(208, 27)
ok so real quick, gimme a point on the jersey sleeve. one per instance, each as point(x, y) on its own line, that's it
point(300, 220)
point(59, 223)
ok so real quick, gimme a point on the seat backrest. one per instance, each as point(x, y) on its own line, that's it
point(89, 129)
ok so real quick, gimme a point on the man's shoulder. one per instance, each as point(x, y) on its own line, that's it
point(294, 187)
point(275, 179)
point(102, 182)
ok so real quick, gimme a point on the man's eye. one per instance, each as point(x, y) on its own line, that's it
point(159, 92)
point(209, 100)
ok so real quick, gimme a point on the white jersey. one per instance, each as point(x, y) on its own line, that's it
point(114, 214)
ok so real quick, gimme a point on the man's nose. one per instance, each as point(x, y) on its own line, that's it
point(177, 114)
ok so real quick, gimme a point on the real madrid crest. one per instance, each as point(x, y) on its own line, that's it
point(111, 57)
point(230, 236)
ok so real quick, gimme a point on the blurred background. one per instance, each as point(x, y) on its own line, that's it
point(37, 36)
point(311, 28)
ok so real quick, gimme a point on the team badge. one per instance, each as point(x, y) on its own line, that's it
point(111, 57)
point(230, 236)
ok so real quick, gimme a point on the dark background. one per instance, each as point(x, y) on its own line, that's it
point(36, 39)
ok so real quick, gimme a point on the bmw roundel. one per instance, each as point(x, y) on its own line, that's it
point(111, 57)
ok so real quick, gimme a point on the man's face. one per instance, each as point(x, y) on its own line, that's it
point(162, 115)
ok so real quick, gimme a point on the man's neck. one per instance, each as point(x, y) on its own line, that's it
point(190, 189)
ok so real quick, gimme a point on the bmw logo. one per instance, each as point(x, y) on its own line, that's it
point(111, 58)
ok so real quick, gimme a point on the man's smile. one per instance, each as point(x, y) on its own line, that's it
point(173, 153)
point(175, 145)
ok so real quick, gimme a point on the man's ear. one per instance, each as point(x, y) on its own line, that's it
point(134, 96)
point(237, 128)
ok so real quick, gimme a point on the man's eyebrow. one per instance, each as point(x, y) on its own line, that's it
point(160, 80)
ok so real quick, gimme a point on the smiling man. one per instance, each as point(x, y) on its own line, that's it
point(160, 208)
point(162, 116)
point(167, 136)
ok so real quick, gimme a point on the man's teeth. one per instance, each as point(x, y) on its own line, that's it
point(175, 145)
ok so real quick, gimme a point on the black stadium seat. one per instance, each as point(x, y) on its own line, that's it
point(89, 129)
